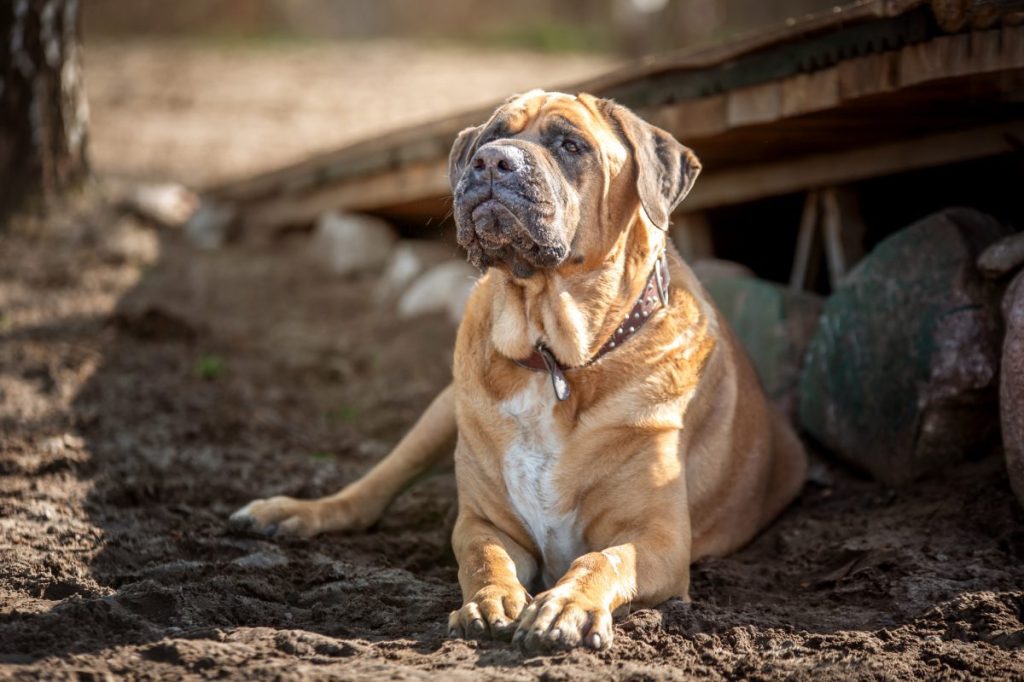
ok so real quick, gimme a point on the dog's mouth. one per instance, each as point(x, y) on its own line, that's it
point(517, 236)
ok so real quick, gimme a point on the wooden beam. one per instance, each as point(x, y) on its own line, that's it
point(734, 186)
point(665, 74)
point(425, 179)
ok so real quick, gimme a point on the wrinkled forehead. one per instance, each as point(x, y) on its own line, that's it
point(534, 113)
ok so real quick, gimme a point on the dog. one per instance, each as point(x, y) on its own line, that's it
point(609, 429)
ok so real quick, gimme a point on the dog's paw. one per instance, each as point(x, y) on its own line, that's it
point(279, 517)
point(562, 619)
point(490, 614)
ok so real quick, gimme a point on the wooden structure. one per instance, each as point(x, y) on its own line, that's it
point(871, 88)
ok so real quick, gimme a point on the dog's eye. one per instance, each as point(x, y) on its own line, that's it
point(570, 146)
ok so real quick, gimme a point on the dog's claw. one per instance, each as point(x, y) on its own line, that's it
point(241, 519)
point(270, 531)
point(518, 637)
point(502, 629)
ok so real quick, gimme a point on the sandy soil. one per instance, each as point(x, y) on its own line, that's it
point(200, 113)
point(146, 390)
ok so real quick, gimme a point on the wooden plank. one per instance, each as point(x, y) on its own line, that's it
point(420, 180)
point(696, 118)
point(793, 30)
point(1012, 41)
point(756, 104)
point(919, 63)
point(783, 177)
point(961, 55)
point(810, 92)
point(870, 75)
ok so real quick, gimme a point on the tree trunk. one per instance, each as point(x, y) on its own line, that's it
point(43, 112)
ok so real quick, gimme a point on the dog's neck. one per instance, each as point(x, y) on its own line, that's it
point(574, 309)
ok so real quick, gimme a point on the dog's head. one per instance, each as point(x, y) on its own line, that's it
point(552, 178)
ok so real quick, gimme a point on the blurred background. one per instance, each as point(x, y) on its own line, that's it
point(209, 90)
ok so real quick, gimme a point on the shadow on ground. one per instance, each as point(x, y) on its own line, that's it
point(147, 389)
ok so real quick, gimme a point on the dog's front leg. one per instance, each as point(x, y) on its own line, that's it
point(492, 571)
point(360, 504)
point(578, 609)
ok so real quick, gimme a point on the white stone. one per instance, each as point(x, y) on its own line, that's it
point(408, 260)
point(444, 287)
point(168, 204)
point(261, 560)
point(347, 243)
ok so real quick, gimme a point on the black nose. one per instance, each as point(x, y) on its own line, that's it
point(497, 160)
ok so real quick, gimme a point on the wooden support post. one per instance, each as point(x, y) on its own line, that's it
point(843, 230)
point(835, 213)
point(802, 265)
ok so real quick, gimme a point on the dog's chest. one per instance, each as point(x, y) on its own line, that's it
point(531, 466)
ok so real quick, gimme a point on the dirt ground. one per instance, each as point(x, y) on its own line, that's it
point(147, 390)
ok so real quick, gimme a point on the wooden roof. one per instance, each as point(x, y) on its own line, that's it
point(872, 88)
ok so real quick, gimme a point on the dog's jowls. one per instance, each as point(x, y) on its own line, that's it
point(666, 449)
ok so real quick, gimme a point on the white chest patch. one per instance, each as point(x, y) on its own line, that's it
point(530, 466)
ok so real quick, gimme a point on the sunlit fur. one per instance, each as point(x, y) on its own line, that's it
point(666, 451)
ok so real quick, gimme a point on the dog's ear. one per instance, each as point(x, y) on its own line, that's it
point(665, 169)
point(462, 152)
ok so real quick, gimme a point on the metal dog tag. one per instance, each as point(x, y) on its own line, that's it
point(558, 381)
point(661, 278)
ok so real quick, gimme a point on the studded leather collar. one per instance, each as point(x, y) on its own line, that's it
point(654, 296)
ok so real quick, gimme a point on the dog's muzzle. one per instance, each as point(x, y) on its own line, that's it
point(505, 211)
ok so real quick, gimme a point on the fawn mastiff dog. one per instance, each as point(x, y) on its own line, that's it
point(610, 429)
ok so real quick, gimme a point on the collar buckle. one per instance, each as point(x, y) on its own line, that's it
point(543, 360)
point(661, 278)
point(558, 381)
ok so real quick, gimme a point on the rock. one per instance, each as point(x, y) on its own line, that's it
point(210, 225)
point(709, 270)
point(774, 324)
point(900, 376)
point(444, 287)
point(261, 560)
point(1011, 385)
point(408, 260)
point(347, 243)
point(168, 204)
point(1002, 257)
